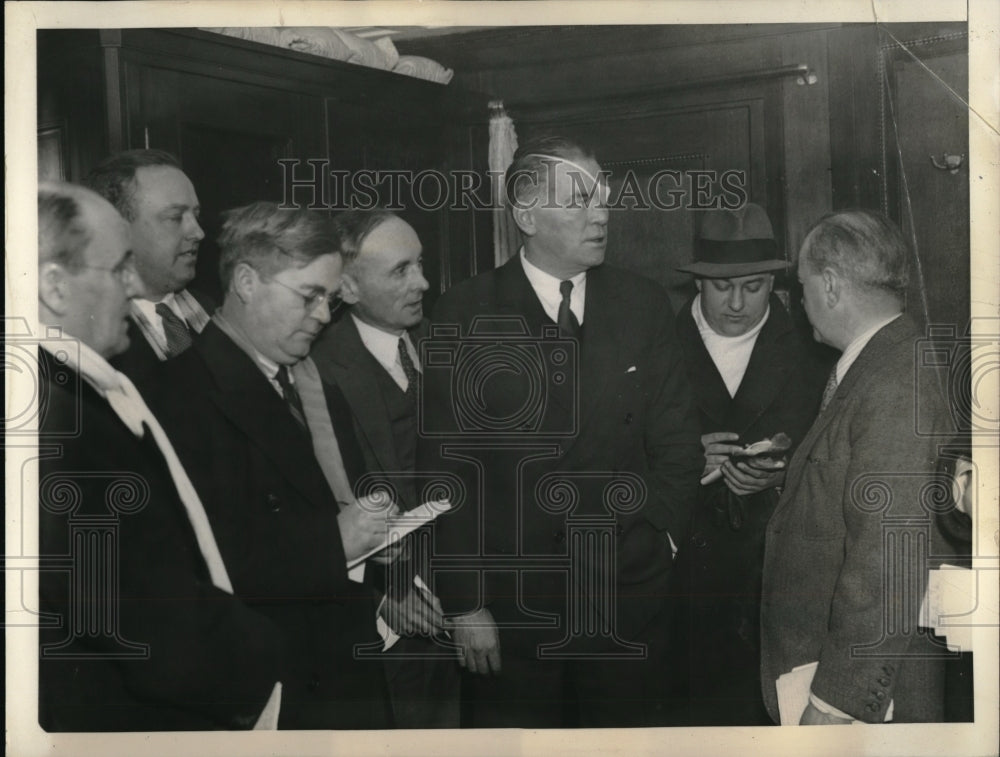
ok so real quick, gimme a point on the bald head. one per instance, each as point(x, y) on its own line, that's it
point(84, 275)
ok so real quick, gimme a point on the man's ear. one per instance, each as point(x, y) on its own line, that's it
point(833, 286)
point(245, 281)
point(349, 288)
point(53, 288)
point(525, 220)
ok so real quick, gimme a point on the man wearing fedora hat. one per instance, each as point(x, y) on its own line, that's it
point(753, 378)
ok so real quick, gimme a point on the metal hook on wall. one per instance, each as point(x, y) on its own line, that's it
point(948, 162)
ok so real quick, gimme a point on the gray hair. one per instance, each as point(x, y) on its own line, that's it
point(62, 233)
point(863, 246)
point(354, 226)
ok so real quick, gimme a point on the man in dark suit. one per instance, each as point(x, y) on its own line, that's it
point(565, 413)
point(159, 202)
point(842, 585)
point(154, 640)
point(753, 378)
point(270, 447)
point(371, 356)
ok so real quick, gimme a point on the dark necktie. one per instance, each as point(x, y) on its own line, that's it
point(291, 395)
point(176, 330)
point(412, 374)
point(829, 390)
point(569, 326)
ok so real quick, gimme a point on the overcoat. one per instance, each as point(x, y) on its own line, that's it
point(718, 569)
point(275, 520)
point(179, 654)
point(847, 547)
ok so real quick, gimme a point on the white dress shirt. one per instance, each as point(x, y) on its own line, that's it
point(148, 309)
point(384, 347)
point(546, 286)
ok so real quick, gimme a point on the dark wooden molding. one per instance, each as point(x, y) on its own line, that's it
point(111, 43)
point(509, 46)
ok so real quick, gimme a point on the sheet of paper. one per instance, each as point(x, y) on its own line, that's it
point(952, 605)
point(404, 524)
point(268, 720)
point(793, 692)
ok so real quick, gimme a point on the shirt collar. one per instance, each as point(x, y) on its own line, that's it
point(851, 352)
point(383, 345)
point(546, 287)
point(539, 279)
point(148, 307)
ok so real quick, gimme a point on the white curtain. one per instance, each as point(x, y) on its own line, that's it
point(503, 143)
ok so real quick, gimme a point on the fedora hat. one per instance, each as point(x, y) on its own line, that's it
point(735, 243)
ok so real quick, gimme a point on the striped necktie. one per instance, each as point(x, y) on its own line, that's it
point(412, 374)
point(829, 390)
point(176, 330)
point(291, 396)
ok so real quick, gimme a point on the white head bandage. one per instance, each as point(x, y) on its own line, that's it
point(599, 179)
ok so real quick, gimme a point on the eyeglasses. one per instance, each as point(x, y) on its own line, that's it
point(312, 301)
point(119, 271)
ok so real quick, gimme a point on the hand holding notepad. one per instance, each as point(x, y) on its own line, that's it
point(362, 524)
point(397, 525)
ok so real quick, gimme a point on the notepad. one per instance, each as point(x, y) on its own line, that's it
point(403, 524)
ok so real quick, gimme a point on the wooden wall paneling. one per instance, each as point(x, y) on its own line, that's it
point(70, 94)
point(855, 153)
point(111, 43)
point(370, 139)
point(807, 167)
point(479, 255)
point(728, 129)
point(926, 82)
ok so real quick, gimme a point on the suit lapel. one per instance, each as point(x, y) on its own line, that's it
point(354, 370)
point(246, 397)
point(766, 372)
point(516, 297)
point(709, 389)
point(602, 337)
point(891, 334)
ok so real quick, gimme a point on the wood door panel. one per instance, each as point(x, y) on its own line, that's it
point(930, 122)
point(714, 136)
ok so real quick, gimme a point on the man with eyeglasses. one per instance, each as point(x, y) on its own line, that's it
point(155, 640)
point(271, 449)
point(161, 206)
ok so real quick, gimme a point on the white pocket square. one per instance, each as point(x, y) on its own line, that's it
point(631, 369)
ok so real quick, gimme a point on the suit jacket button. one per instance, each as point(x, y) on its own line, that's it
point(313, 684)
point(884, 681)
point(699, 540)
point(273, 502)
point(628, 418)
point(874, 707)
point(880, 695)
